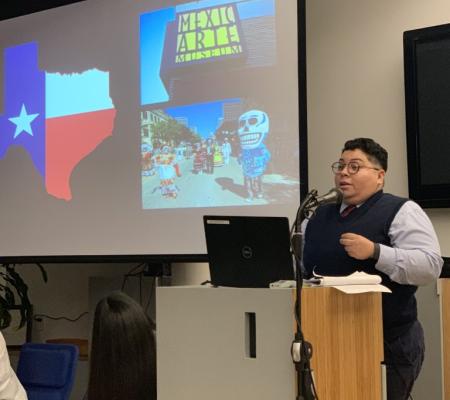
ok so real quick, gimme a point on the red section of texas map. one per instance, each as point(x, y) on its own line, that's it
point(69, 140)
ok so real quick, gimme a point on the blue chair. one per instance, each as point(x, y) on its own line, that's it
point(47, 370)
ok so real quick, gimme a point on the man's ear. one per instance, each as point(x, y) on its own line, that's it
point(381, 175)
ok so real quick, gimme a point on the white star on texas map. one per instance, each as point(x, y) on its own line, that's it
point(23, 122)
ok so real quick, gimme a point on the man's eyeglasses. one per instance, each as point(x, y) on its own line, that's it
point(352, 167)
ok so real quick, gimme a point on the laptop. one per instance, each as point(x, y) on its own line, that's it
point(248, 251)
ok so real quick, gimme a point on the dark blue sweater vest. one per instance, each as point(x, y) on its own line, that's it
point(326, 256)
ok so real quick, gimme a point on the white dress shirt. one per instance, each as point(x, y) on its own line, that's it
point(415, 255)
point(10, 387)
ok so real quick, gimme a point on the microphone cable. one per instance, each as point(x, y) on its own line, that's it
point(302, 350)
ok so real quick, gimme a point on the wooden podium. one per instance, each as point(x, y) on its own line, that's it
point(231, 343)
point(347, 341)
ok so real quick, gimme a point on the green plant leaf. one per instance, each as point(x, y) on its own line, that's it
point(43, 272)
point(9, 296)
point(13, 278)
point(5, 315)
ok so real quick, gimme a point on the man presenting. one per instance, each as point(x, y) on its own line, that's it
point(382, 234)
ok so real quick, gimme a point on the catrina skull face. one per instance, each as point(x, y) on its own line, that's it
point(253, 128)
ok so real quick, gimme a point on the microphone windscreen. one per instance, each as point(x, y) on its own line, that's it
point(333, 196)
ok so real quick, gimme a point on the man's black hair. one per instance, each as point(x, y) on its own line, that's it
point(375, 153)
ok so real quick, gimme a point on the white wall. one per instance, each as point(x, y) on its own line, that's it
point(356, 89)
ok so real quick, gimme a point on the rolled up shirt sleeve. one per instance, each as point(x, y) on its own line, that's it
point(415, 255)
point(10, 387)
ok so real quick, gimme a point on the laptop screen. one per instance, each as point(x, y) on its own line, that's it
point(248, 251)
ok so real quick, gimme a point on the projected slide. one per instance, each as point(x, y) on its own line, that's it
point(210, 134)
point(122, 122)
point(57, 118)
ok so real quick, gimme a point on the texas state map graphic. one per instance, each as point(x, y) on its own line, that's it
point(58, 118)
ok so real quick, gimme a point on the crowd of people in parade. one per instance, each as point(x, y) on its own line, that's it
point(247, 145)
point(163, 160)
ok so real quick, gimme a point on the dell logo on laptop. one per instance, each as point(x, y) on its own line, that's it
point(247, 252)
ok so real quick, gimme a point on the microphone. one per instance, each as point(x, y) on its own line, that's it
point(312, 200)
point(333, 196)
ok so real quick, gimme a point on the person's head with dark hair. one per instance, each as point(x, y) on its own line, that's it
point(374, 152)
point(360, 171)
point(123, 351)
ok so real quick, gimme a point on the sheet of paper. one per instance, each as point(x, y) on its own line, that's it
point(352, 289)
point(356, 278)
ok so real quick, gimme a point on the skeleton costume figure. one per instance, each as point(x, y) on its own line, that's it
point(146, 159)
point(165, 162)
point(253, 129)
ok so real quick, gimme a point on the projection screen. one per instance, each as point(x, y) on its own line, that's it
point(122, 123)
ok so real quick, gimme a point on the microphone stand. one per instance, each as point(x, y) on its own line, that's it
point(301, 350)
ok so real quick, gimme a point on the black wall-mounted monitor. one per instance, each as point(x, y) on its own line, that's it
point(427, 99)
